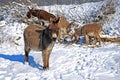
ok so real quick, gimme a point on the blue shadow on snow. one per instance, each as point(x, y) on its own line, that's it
point(80, 40)
point(20, 58)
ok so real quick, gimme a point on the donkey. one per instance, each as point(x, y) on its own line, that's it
point(42, 15)
point(39, 39)
point(89, 31)
point(64, 27)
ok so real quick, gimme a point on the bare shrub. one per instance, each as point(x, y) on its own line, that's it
point(107, 8)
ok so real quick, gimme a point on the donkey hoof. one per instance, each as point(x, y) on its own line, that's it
point(45, 68)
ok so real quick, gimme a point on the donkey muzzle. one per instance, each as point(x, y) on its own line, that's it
point(54, 37)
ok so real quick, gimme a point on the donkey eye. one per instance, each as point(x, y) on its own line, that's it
point(50, 30)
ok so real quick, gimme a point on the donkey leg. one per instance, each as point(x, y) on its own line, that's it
point(48, 57)
point(59, 36)
point(44, 59)
point(26, 55)
point(45, 56)
point(99, 39)
point(87, 39)
point(94, 41)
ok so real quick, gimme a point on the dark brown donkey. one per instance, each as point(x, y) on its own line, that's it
point(39, 39)
point(40, 14)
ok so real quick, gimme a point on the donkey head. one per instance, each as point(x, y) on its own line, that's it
point(30, 12)
point(53, 28)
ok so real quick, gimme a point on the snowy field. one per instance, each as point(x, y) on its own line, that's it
point(74, 62)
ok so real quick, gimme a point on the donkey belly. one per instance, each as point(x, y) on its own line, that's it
point(34, 44)
point(91, 34)
point(35, 48)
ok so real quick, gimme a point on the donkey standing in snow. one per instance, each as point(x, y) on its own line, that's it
point(39, 39)
point(88, 31)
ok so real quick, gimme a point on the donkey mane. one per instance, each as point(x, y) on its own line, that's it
point(45, 38)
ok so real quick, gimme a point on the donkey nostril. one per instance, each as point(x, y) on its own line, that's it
point(54, 39)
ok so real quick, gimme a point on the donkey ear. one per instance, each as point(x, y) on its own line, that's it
point(28, 7)
point(72, 23)
point(51, 19)
point(54, 20)
point(57, 20)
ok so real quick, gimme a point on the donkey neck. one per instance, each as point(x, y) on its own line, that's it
point(46, 39)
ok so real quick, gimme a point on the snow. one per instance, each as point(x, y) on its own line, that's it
point(73, 62)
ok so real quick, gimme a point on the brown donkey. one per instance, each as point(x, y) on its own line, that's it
point(92, 30)
point(39, 39)
point(40, 14)
point(64, 27)
point(88, 31)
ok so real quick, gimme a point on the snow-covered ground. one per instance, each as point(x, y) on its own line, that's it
point(66, 63)
point(73, 62)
